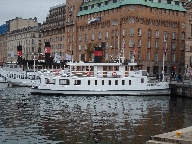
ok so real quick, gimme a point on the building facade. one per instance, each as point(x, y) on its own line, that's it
point(143, 25)
point(3, 48)
point(53, 30)
point(188, 39)
point(24, 33)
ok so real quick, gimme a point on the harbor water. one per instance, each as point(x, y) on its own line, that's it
point(29, 119)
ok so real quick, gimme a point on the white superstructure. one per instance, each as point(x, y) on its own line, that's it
point(100, 79)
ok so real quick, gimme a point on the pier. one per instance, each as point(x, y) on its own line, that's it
point(183, 89)
point(182, 136)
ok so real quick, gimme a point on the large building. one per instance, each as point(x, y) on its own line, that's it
point(60, 28)
point(188, 39)
point(3, 48)
point(24, 33)
point(53, 30)
point(146, 25)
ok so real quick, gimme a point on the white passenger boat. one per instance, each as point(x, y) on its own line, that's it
point(24, 78)
point(100, 79)
point(15, 75)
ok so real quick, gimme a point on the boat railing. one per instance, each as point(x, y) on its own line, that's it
point(99, 74)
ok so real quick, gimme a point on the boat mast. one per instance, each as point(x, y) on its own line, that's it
point(34, 63)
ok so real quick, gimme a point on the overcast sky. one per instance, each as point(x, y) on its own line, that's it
point(10, 9)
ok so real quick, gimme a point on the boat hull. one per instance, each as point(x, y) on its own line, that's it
point(111, 92)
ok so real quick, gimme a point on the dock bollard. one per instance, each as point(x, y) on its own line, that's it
point(178, 134)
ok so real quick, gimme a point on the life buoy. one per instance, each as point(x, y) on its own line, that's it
point(88, 73)
point(57, 72)
point(114, 73)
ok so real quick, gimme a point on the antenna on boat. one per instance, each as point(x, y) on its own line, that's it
point(122, 51)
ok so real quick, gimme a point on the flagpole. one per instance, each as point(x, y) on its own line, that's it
point(123, 58)
point(163, 66)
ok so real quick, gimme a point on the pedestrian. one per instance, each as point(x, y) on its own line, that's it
point(179, 77)
point(157, 77)
point(161, 77)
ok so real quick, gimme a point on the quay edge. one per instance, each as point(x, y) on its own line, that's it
point(183, 89)
point(184, 137)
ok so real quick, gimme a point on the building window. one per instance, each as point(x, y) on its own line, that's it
point(141, 7)
point(183, 36)
point(131, 20)
point(165, 35)
point(139, 43)
point(79, 47)
point(131, 43)
point(85, 46)
point(157, 34)
point(131, 7)
point(124, 32)
point(173, 35)
point(173, 46)
point(182, 46)
point(149, 44)
point(106, 34)
point(148, 56)
point(156, 56)
point(149, 33)
point(99, 36)
point(139, 31)
point(106, 45)
point(106, 56)
point(172, 57)
point(80, 38)
point(156, 44)
point(131, 32)
point(130, 55)
point(183, 25)
point(86, 37)
point(139, 55)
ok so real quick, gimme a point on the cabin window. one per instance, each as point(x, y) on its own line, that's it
point(95, 82)
point(89, 82)
point(14, 76)
point(142, 80)
point(116, 82)
point(129, 82)
point(102, 82)
point(63, 82)
point(109, 82)
point(50, 81)
point(77, 82)
point(123, 82)
point(33, 77)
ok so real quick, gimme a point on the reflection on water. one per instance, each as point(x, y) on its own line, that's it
point(29, 118)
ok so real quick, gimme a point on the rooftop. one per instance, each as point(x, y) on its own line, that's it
point(102, 5)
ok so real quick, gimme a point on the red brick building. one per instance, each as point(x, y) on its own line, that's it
point(143, 24)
